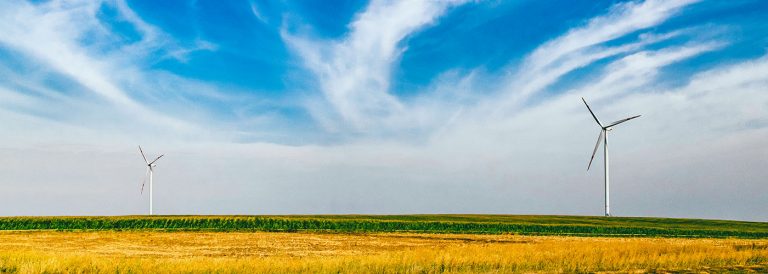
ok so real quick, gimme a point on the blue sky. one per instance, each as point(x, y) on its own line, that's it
point(368, 107)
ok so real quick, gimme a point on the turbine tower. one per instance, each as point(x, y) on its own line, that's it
point(604, 138)
point(150, 171)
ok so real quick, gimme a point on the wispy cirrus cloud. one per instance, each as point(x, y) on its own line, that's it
point(80, 66)
point(354, 73)
point(582, 46)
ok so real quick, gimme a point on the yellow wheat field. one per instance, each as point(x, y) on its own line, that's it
point(261, 252)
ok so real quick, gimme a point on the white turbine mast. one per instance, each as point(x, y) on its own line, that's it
point(150, 170)
point(604, 138)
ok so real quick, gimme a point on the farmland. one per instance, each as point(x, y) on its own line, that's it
point(379, 243)
point(466, 224)
point(281, 252)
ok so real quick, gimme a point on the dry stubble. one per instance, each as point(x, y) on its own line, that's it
point(143, 251)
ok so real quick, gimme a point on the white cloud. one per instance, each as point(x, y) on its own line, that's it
point(580, 46)
point(354, 73)
point(50, 33)
point(256, 12)
point(111, 88)
point(624, 18)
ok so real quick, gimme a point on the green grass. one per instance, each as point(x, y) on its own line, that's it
point(474, 224)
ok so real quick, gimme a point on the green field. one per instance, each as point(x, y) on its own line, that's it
point(471, 224)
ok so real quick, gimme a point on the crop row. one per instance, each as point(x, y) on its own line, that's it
point(351, 226)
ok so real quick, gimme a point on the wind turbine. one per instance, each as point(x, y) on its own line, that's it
point(604, 137)
point(150, 171)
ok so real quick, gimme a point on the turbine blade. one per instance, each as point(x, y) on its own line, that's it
point(144, 181)
point(623, 120)
point(597, 145)
point(158, 158)
point(590, 112)
point(142, 155)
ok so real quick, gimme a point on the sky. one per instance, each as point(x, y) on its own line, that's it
point(384, 107)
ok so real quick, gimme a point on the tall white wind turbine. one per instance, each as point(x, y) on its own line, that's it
point(604, 137)
point(150, 170)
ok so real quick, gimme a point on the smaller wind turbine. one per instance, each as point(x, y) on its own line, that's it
point(150, 171)
point(604, 137)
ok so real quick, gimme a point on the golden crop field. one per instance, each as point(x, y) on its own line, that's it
point(270, 252)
